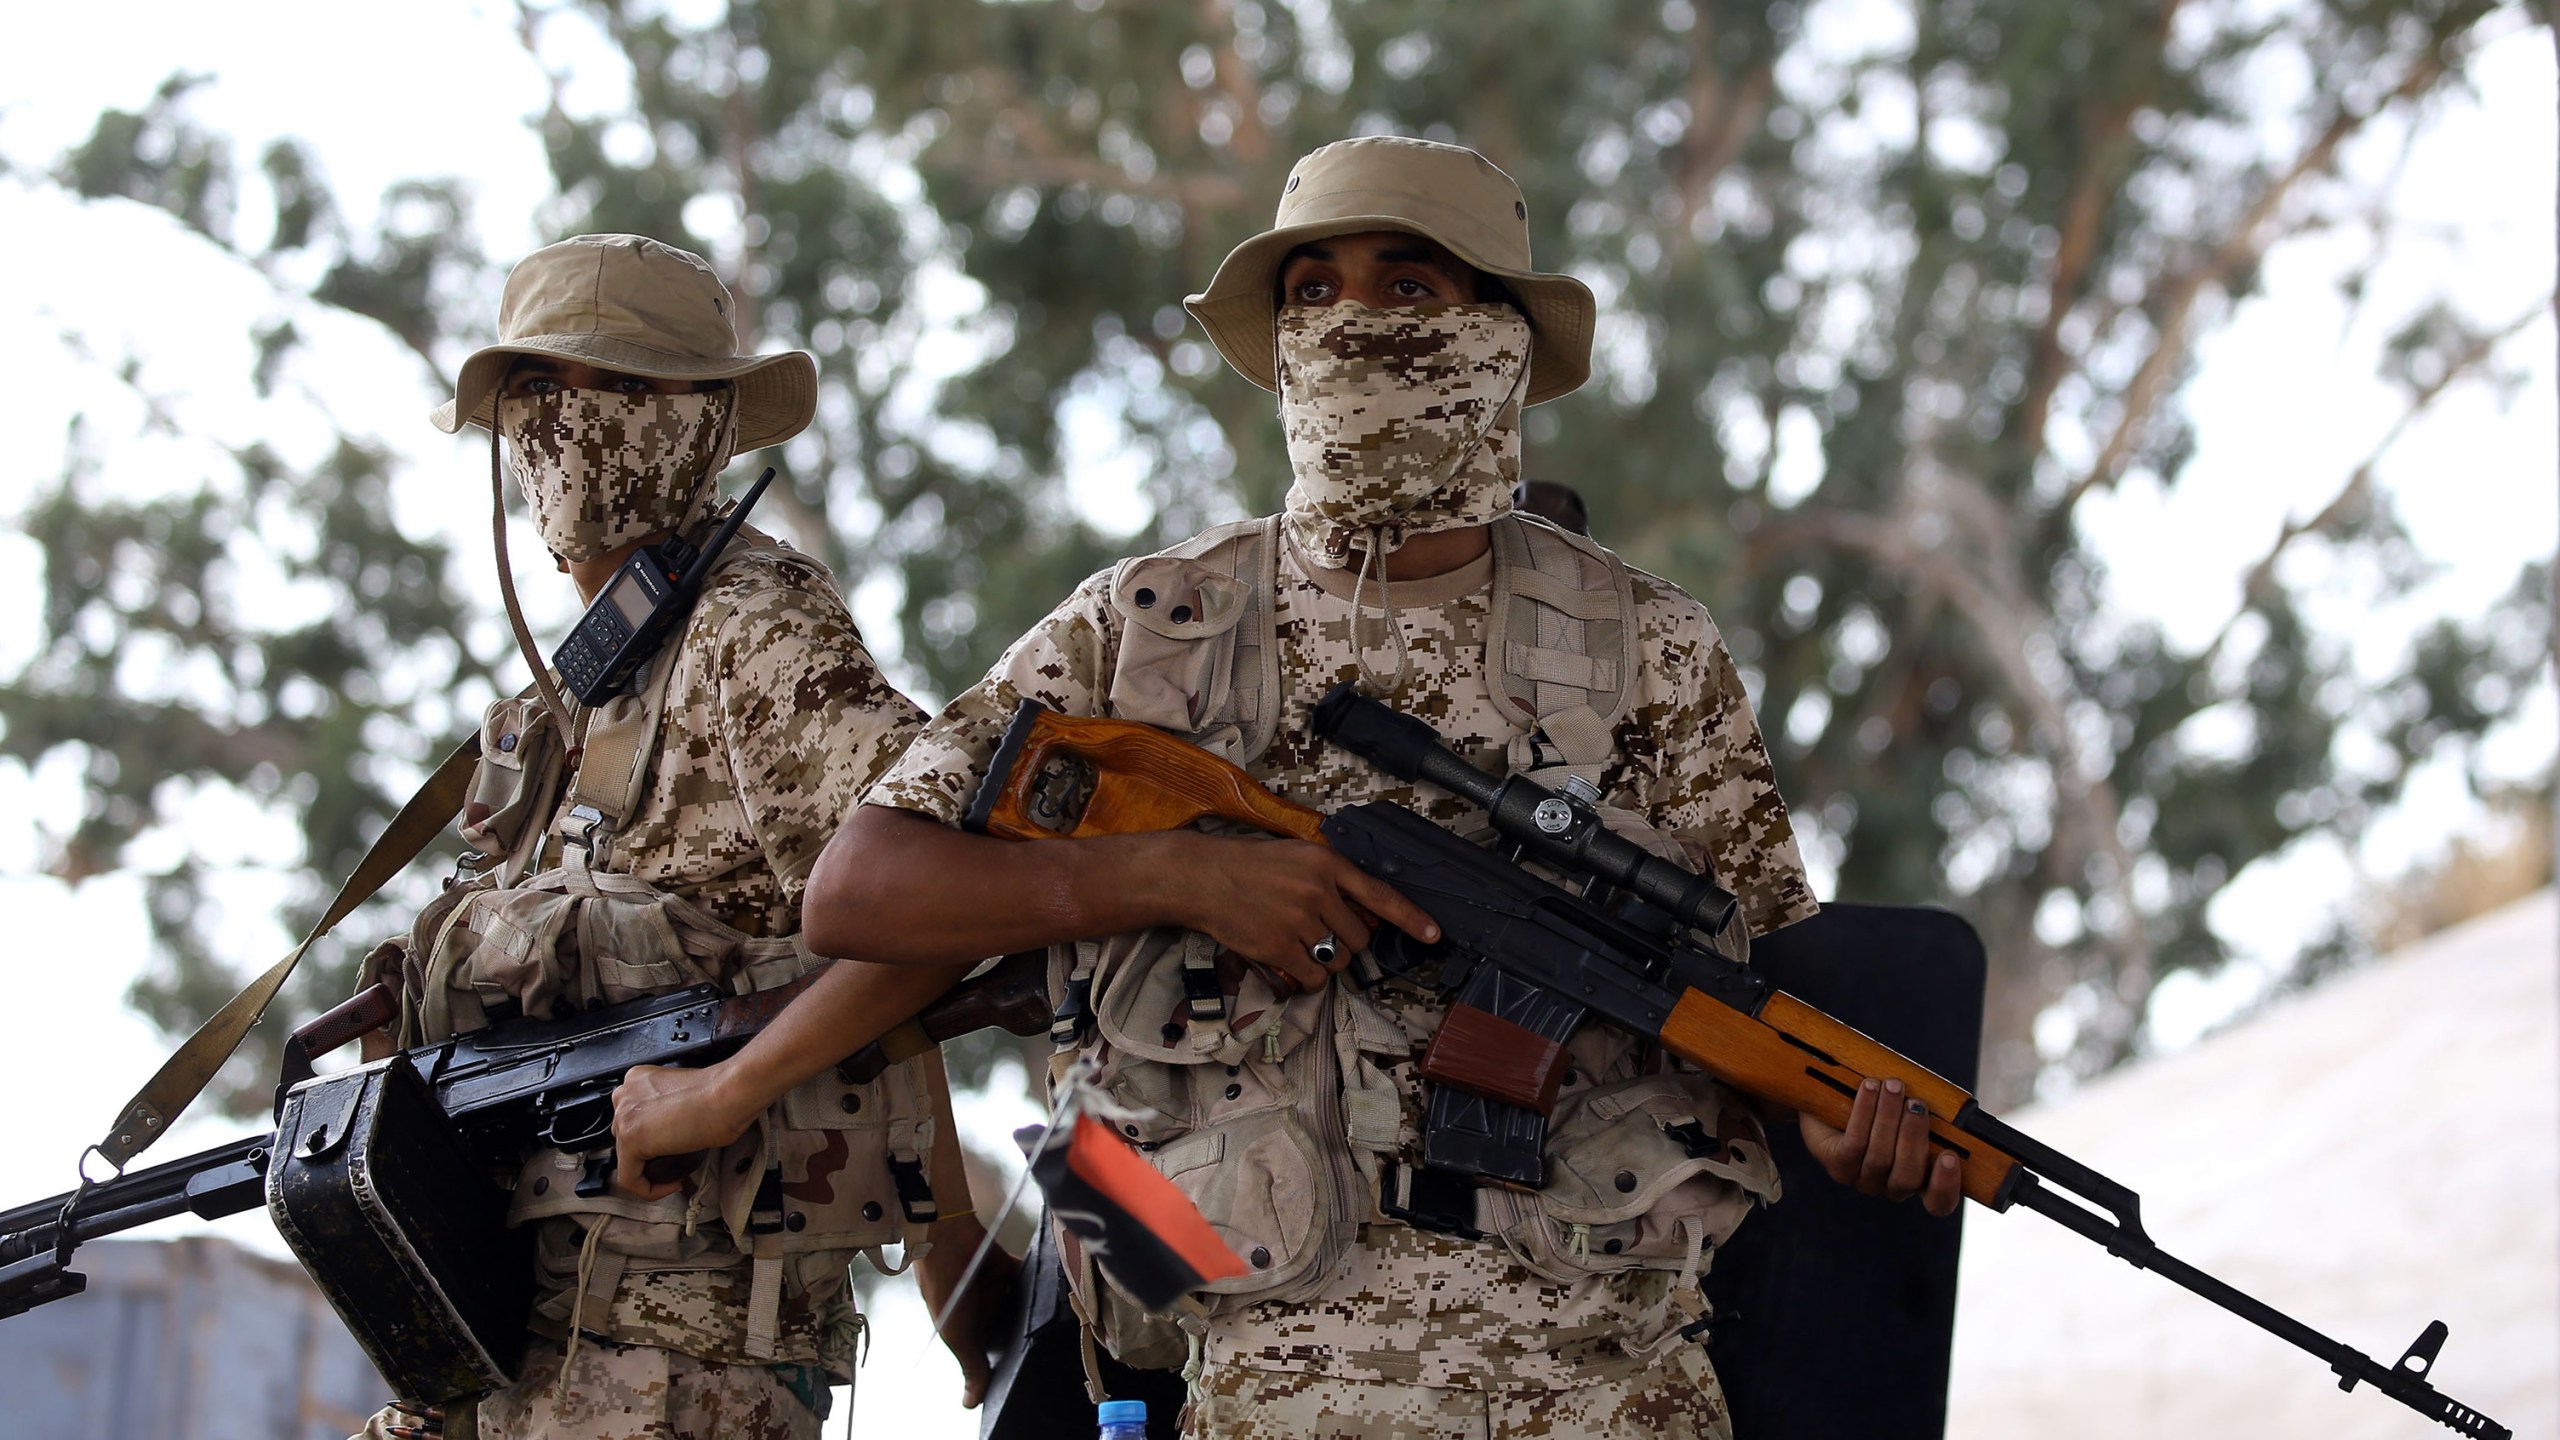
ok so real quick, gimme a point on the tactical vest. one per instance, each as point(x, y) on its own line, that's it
point(1273, 1113)
point(553, 922)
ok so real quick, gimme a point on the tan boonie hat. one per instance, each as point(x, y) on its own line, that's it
point(628, 303)
point(1446, 192)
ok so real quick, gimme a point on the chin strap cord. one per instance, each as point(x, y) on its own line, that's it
point(507, 581)
point(1374, 558)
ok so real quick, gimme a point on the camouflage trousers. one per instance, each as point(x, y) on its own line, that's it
point(634, 1392)
point(1678, 1399)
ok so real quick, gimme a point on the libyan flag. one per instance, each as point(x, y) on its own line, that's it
point(1146, 1233)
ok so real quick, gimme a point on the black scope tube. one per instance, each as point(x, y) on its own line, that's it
point(1410, 750)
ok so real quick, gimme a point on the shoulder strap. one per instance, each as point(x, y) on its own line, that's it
point(148, 1115)
point(1255, 558)
point(619, 746)
point(1561, 651)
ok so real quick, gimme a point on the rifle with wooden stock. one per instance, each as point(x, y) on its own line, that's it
point(1526, 962)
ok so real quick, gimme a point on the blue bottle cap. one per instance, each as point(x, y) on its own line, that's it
point(1123, 1411)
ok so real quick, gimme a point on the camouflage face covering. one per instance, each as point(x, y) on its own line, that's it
point(1399, 422)
point(601, 469)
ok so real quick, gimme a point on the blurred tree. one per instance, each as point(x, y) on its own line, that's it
point(152, 672)
point(1880, 314)
point(1887, 298)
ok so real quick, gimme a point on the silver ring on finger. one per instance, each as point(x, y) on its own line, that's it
point(1325, 950)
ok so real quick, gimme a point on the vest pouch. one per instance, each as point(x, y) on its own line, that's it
point(585, 938)
point(1260, 1182)
point(1142, 1002)
point(834, 1146)
point(1234, 1125)
point(1176, 667)
point(403, 961)
point(1371, 1047)
point(1132, 1334)
point(546, 1186)
point(1638, 1171)
point(518, 741)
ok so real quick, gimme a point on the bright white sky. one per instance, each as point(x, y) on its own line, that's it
point(2285, 405)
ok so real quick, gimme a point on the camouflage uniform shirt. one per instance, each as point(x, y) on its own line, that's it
point(1416, 1306)
point(776, 721)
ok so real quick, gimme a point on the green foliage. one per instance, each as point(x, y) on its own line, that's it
point(158, 158)
point(1876, 322)
point(1880, 312)
point(165, 667)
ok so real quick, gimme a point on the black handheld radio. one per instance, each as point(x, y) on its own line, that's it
point(631, 617)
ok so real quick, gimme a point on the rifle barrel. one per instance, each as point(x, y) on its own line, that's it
point(2408, 1386)
point(138, 1198)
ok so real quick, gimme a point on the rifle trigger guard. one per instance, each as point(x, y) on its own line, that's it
point(578, 1123)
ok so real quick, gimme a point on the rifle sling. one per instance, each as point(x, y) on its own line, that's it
point(183, 1076)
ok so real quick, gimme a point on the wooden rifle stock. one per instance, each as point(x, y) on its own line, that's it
point(1059, 777)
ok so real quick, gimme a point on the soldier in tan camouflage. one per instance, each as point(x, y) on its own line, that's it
point(619, 393)
point(1393, 309)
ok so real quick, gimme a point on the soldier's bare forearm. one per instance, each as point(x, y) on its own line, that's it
point(844, 1009)
point(897, 888)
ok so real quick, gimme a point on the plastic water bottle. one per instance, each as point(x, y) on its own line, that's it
point(1123, 1420)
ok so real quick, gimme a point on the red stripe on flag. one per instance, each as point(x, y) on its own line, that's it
point(1107, 1163)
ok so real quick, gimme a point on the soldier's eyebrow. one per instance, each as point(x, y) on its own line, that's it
point(1415, 255)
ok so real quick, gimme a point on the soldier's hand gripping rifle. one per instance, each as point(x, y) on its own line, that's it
point(1529, 961)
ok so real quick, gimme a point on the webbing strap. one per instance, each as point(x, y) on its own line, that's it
point(1560, 666)
point(153, 1108)
point(1558, 594)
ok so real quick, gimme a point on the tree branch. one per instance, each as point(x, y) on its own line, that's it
point(2087, 811)
point(2242, 246)
point(1251, 142)
point(2260, 580)
point(1722, 118)
point(2093, 186)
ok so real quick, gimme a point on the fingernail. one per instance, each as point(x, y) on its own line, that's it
point(1919, 1109)
point(1867, 1085)
point(1946, 1162)
point(1893, 1087)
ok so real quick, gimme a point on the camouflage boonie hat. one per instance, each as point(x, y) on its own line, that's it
point(629, 303)
point(1446, 193)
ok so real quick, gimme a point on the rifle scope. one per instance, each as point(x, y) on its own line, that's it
point(1562, 832)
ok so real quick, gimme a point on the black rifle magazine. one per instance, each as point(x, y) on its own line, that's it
point(403, 1229)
